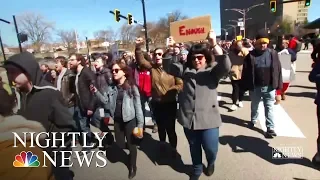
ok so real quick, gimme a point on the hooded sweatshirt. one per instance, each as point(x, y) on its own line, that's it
point(19, 124)
point(43, 103)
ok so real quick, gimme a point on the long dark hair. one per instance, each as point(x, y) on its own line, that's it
point(130, 82)
point(200, 48)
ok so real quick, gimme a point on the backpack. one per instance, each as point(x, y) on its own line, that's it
point(298, 46)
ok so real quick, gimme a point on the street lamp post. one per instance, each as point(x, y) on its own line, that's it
point(237, 23)
point(225, 33)
point(235, 29)
point(244, 13)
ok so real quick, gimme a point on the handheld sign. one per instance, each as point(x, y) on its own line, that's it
point(193, 29)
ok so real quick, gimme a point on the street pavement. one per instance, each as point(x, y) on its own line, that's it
point(244, 154)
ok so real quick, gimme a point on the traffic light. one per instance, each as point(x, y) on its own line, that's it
point(307, 3)
point(273, 6)
point(117, 15)
point(130, 19)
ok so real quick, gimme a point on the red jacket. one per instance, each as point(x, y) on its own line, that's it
point(144, 82)
point(293, 43)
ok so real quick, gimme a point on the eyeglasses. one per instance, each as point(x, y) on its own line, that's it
point(199, 57)
point(159, 54)
point(116, 70)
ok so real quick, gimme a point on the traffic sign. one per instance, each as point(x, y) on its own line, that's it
point(240, 24)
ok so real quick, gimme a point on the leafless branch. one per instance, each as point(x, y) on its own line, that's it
point(36, 27)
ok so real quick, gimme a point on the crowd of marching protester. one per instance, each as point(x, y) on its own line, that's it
point(178, 82)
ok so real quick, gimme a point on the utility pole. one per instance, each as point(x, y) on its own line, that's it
point(76, 36)
point(225, 33)
point(235, 29)
point(2, 48)
point(17, 32)
point(1, 44)
point(265, 25)
point(88, 52)
point(145, 24)
point(244, 14)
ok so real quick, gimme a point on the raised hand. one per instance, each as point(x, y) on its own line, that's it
point(212, 37)
point(93, 89)
point(171, 41)
point(139, 41)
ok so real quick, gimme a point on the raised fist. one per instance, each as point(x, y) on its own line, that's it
point(139, 41)
point(212, 36)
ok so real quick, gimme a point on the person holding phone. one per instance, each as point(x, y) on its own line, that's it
point(122, 102)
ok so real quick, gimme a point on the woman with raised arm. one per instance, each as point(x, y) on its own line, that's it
point(165, 88)
point(122, 102)
point(199, 109)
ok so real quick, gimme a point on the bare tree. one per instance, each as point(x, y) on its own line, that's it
point(154, 32)
point(164, 22)
point(127, 33)
point(36, 27)
point(67, 37)
point(105, 35)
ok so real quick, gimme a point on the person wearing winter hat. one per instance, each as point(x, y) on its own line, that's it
point(184, 54)
point(262, 76)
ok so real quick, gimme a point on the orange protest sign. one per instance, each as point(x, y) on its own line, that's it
point(193, 29)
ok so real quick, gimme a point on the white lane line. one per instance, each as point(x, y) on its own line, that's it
point(283, 124)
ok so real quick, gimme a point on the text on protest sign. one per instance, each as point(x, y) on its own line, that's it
point(193, 29)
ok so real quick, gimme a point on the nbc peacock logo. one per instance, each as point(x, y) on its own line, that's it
point(26, 159)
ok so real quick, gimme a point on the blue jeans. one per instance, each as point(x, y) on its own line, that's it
point(83, 123)
point(267, 94)
point(209, 140)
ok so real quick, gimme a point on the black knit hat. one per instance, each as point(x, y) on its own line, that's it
point(262, 34)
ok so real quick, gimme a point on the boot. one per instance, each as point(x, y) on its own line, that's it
point(210, 170)
point(283, 96)
point(194, 177)
point(132, 172)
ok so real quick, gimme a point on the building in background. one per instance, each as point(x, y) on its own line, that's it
point(261, 17)
point(295, 11)
point(302, 15)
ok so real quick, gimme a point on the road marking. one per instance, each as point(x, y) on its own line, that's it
point(305, 52)
point(283, 124)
